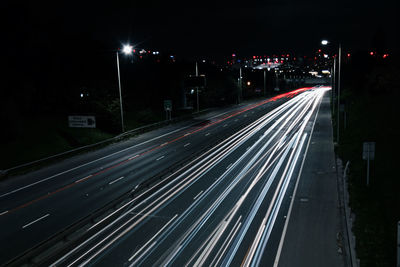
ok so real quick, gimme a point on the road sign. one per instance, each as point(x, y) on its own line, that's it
point(368, 154)
point(82, 121)
point(368, 150)
point(167, 105)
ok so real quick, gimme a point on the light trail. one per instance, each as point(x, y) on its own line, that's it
point(277, 151)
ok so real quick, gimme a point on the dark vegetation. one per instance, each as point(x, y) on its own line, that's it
point(370, 92)
point(57, 82)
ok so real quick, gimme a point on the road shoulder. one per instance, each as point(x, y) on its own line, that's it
point(313, 236)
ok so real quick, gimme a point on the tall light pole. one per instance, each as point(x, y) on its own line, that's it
point(325, 42)
point(334, 85)
point(197, 89)
point(265, 83)
point(338, 91)
point(127, 50)
point(240, 85)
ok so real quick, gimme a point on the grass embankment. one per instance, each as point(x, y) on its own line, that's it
point(373, 116)
point(43, 137)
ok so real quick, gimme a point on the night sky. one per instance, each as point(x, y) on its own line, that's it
point(209, 29)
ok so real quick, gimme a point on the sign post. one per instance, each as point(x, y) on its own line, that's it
point(168, 109)
point(82, 121)
point(368, 154)
point(398, 244)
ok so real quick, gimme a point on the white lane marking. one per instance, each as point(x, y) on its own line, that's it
point(207, 134)
point(230, 165)
point(186, 145)
point(84, 178)
point(225, 125)
point(278, 254)
point(198, 195)
point(116, 180)
point(88, 163)
point(154, 208)
point(186, 134)
point(35, 221)
point(4, 212)
point(131, 158)
point(160, 158)
point(151, 239)
point(166, 143)
point(245, 116)
point(227, 241)
point(236, 119)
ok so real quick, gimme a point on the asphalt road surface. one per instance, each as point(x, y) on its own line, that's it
point(224, 206)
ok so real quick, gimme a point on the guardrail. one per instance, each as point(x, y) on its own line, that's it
point(45, 251)
point(141, 129)
point(349, 219)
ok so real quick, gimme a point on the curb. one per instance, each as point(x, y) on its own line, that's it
point(348, 216)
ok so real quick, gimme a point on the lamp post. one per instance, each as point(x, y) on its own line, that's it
point(197, 90)
point(265, 83)
point(326, 42)
point(127, 50)
point(240, 86)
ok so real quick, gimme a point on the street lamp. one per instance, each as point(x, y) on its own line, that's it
point(197, 90)
point(239, 96)
point(325, 42)
point(127, 50)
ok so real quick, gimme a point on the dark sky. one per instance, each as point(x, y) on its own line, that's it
point(208, 29)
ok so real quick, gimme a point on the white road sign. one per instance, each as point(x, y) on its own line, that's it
point(368, 150)
point(82, 121)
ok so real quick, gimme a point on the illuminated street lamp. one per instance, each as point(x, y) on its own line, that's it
point(127, 50)
point(325, 42)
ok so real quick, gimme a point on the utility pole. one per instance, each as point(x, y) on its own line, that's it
point(197, 89)
point(338, 91)
point(240, 85)
point(334, 85)
point(120, 95)
point(265, 83)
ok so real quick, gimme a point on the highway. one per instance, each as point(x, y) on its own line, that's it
point(223, 200)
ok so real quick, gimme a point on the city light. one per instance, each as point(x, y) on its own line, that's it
point(324, 42)
point(127, 49)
